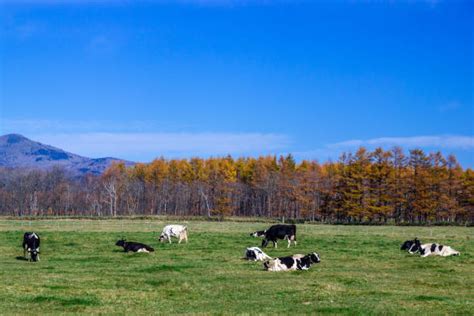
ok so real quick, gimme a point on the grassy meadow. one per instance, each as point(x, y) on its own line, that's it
point(362, 270)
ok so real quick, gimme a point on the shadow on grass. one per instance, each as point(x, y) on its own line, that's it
point(21, 258)
point(158, 283)
point(430, 298)
point(65, 301)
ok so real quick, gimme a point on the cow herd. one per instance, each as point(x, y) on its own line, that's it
point(31, 247)
point(273, 234)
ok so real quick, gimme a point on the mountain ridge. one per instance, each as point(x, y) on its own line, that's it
point(18, 151)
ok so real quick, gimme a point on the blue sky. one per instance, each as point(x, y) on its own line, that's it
point(141, 79)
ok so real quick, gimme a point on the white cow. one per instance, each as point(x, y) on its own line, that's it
point(256, 254)
point(178, 231)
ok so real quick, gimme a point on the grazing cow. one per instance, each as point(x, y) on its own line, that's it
point(256, 254)
point(178, 231)
point(258, 233)
point(31, 246)
point(407, 245)
point(276, 232)
point(133, 246)
point(433, 249)
point(295, 262)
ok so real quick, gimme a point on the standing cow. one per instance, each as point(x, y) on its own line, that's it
point(178, 231)
point(31, 246)
point(276, 232)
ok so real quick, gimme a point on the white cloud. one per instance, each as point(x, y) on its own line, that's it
point(146, 146)
point(447, 144)
point(452, 142)
point(142, 140)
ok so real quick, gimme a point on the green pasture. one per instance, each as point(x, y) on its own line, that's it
point(362, 271)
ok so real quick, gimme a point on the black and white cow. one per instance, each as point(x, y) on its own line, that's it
point(256, 254)
point(279, 231)
point(432, 249)
point(31, 246)
point(133, 246)
point(295, 262)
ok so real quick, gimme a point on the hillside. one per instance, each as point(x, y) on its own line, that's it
point(17, 151)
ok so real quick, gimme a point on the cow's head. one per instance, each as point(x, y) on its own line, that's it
point(162, 238)
point(309, 259)
point(407, 244)
point(314, 257)
point(120, 243)
point(415, 247)
point(251, 255)
point(258, 233)
point(33, 254)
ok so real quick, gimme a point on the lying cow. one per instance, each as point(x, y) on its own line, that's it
point(178, 231)
point(433, 249)
point(133, 246)
point(295, 262)
point(31, 246)
point(256, 254)
point(276, 232)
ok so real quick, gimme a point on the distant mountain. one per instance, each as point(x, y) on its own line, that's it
point(17, 151)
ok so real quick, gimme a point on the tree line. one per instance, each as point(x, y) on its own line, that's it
point(373, 187)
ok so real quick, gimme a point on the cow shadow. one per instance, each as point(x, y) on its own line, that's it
point(21, 258)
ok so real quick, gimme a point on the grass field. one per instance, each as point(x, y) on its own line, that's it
point(362, 271)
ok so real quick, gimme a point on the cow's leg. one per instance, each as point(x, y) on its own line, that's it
point(275, 244)
point(186, 236)
point(180, 238)
point(38, 257)
point(169, 238)
point(289, 243)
